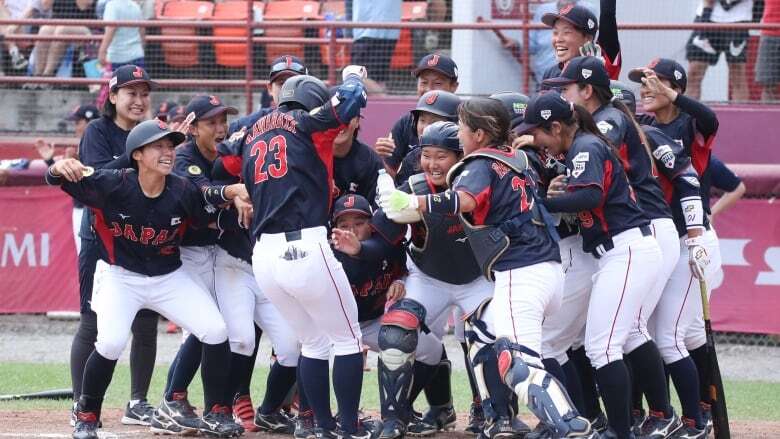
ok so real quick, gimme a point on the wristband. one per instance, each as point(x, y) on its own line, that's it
point(444, 203)
point(693, 212)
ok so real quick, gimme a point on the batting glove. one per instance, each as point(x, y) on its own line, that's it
point(354, 70)
point(591, 49)
point(698, 259)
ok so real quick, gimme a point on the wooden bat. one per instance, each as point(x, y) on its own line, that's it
point(720, 416)
point(46, 394)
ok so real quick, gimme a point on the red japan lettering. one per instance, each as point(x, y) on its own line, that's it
point(161, 237)
point(586, 219)
point(147, 234)
point(116, 229)
point(129, 233)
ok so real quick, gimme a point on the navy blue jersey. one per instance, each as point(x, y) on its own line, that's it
point(694, 128)
point(288, 167)
point(102, 146)
point(676, 174)
point(405, 138)
point(138, 233)
point(246, 122)
point(637, 162)
point(357, 172)
point(723, 178)
point(548, 167)
point(593, 163)
point(410, 165)
point(502, 194)
point(370, 279)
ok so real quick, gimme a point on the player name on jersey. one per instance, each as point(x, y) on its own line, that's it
point(275, 120)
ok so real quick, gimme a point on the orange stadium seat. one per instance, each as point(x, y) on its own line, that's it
point(338, 9)
point(232, 54)
point(403, 55)
point(183, 54)
point(288, 10)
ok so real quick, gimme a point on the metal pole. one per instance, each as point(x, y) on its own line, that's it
point(332, 56)
point(249, 69)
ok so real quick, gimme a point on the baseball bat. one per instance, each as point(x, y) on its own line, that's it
point(46, 394)
point(720, 416)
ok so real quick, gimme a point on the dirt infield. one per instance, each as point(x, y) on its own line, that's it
point(54, 424)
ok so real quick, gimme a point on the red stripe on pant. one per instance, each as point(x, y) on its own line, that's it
point(679, 315)
point(614, 320)
point(341, 303)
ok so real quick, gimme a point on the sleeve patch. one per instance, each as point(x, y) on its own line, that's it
point(604, 126)
point(665, 155)
point(579, 162)
point(194, 170)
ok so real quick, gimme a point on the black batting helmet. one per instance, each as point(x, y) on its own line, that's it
point(624, 94)
point(442, 135)
point(304, 90)
point(147, 132)
point(439, 102)
point(515, 104)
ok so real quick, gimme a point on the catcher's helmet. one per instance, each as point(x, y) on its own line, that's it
point(304, 90)
point(441, 134)
point(515, 104)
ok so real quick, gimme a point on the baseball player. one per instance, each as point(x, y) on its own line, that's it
point(614, 230)
point(355, 164)
point(164, 109)
point(103, 146)
point(140, 216)
point(692, 125)
point(574, 31)
point(287, 167)
point(585, 81)
point(492, 185)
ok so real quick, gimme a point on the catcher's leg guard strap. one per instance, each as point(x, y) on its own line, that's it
point(407, 314)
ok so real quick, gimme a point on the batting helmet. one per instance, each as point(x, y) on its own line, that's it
point(438, 102)
point(515, 104)
point(623, 94)
point(147, 132)
point(304, 90)
point(442, 135)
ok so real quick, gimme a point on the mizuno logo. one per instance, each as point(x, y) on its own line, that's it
point(736, 51)
point(123, 216)
point(462, 240)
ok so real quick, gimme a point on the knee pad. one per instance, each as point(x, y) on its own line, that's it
point(476, 329)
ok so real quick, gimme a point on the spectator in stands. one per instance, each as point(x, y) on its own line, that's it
point(48, 54)
point(768, 63)
point(704, 47)
point(122, 45)
point(12, 10)
point(724, 179)
point(374, 48)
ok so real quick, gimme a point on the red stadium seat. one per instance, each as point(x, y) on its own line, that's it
point(183, 54)
point(232, 54)
point(338, 9)
point(403, 55)
point(288, 10)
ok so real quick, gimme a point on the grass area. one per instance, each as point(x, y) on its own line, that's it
point(747, 400)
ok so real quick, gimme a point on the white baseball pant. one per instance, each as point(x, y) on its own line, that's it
point(679, 315)
point(118, 294)
point(665, 234)
point(78, 213)
point(564, 327)
point(438, 298)
point(624, 278)
point(309, 287)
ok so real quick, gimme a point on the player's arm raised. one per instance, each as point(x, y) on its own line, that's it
point(83, 183)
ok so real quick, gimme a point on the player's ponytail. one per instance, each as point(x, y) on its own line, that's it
point(617, 103)
point(490, 116)
point(586, 123)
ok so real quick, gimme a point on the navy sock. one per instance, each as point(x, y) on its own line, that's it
point(438, 390)
point(648, 369)
point(422, 375)
point(590, 395)
point(303, 401)
point(314, 380)
point(238, 367)
point(686, 381)
point(614, 385)
point(347, 384)
point(184, 368)
point(636, 385)
point(97, 376)
point(702, 361)
point(169, 377)
point(573, 385)
point(554, 368)
point(280, 381)
point(214, 373)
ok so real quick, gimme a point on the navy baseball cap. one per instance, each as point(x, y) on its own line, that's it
point(579, 16)
point(88, 112)
point(207, 106)
point(665, 68)
point(438, 63)
point(291, 65)
point(351, 203)
point(545, 107)
point(128, 75)
point(624, 94)
point(585, 69)
point(175, 114)
point(164, 109)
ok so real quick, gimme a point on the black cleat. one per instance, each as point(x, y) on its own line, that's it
point(219, 423)
point(436, 419)
point(86, 425)
point(476, 419)
point(139, 414)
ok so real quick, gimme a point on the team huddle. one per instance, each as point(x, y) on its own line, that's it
point(567, 233)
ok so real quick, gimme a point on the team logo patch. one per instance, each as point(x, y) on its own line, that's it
point(545, 114)
point(213, 100)
point(586, 73)
point(677, 75)
point(138, 73)
point(591, 23)
point(579, 162)
point(349, 202)
point(604, 126)
point(618, 93)
point(162, 125)
point(519, 108)
point(89, 114)
point(665, 155)
point(566, 9)
point(653, 63)
point(175, 221)
point(194, 170)
point(431, 98)
point(433, 61)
